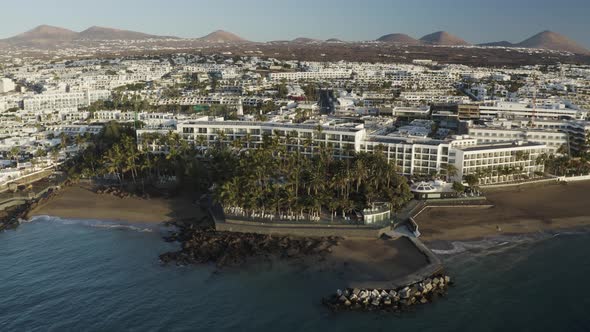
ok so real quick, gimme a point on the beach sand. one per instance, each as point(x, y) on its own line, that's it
point(374, 263)
point(80, 202)
point(550, 208)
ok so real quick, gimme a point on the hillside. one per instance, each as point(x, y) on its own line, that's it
point(305, 40)
point(443, 38)
point(503, 43)
point(553, 41)
point(399, 38)
point(102, 33)
point(42, 35)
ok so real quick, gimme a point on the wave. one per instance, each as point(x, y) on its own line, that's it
point(97, 224)
point(499, 243)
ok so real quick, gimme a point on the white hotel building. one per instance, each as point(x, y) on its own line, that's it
point(311, 75)
point(412, 156)
point(551, 138)
point(63, 100)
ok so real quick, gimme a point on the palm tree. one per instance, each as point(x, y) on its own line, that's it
point(451, 171)
point(14, 153)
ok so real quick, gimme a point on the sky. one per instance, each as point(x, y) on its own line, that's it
point(263, 20)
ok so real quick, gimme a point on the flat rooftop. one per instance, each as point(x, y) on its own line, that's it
point(498, 146)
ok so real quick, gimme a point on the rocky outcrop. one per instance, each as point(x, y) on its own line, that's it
point(11, 217)
point(392, 300)
point(201, 245)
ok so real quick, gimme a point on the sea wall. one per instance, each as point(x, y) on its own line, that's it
point(304, 230)
point(15, 208)
point(574, 178)
point(420, 287)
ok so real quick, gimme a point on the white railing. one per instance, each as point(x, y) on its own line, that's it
point(574, 178)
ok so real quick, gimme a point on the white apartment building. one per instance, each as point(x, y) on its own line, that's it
point(311, 75)
point(551, 138)
point(6, 85)
point(497, 163)
point(149, 118)
point(433, 96)
point(210, 100)
point(57, 101)
point(498, 109)
point(74, 130)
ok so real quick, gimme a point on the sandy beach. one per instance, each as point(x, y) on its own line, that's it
point(550, 208)
point(81, 202)
point(374, 263)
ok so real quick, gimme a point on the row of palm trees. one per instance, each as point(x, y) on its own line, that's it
point(270, 181)
point(565, 165)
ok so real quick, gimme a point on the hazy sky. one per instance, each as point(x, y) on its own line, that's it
point(263, 20)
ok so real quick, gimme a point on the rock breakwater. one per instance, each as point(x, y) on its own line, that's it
point(391, 300)
point(201, 245)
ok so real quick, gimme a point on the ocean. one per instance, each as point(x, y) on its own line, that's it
point(74, 275)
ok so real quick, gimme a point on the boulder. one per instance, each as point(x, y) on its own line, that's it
point(447, 280)
point(420, 287)
point(364, 295)
point(356, 291)
point(375, 293)
point(342, 299)
point(405, 293)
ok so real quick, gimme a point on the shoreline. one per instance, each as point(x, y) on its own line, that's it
point(451, 247)
point(549, 210)
point(439, 226)
point(80, 201)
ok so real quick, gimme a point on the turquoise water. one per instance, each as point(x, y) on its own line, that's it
point(62, 275)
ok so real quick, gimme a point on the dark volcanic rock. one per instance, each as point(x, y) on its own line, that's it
point(201, 245)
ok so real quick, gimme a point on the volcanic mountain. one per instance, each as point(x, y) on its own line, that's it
point(553, 41)
point(443, 38)
point(399, 38)
point(221, 36)
point(102, 33)
point(43, 35)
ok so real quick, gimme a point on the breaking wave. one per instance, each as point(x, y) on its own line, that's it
point(98, 224)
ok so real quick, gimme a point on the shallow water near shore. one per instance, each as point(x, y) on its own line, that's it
point(59, 274)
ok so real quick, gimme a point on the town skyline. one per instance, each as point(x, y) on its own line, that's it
point(312, 20)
